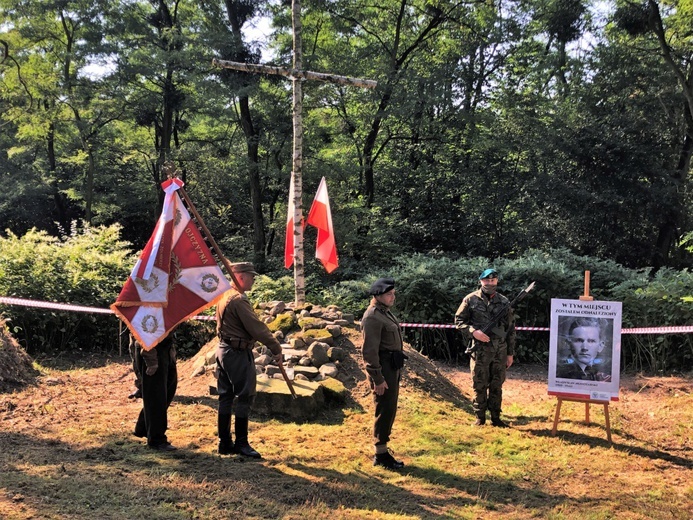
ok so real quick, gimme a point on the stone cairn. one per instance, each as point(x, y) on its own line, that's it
point(310, 354)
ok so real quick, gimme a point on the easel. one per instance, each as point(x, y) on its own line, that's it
point(587, 413)
point(585, 297)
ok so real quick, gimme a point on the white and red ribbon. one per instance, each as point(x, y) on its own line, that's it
point(5, 300)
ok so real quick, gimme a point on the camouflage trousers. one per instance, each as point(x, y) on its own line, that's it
point(487, 367)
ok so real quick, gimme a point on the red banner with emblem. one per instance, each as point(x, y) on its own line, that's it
point(175, 277)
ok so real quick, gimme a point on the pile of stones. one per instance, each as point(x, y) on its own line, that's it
point(307, 336)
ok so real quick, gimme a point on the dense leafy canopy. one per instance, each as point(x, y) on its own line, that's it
point(496, 128)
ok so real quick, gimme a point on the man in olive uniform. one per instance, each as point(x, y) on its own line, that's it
point(494, 352)
point(384, 359)
point(159, 380)
point(238, 327)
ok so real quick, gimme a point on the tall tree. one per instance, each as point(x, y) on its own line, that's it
point(225, 21)
point(665, 29)
point(53, 99)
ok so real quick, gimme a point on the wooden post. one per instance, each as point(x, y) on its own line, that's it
point(297, 75)
point(586, 294)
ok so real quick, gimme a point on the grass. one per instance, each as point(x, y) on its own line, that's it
point(66, 452)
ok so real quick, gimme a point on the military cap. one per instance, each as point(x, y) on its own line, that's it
point(381, 286)
point(488, 273)
point(243, 267)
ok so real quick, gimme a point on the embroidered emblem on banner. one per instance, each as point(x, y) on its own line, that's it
point(148, 285)
point(209, 283)
point(149, 323)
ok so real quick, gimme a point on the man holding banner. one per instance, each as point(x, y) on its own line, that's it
point(176, 277)
point(238, 327)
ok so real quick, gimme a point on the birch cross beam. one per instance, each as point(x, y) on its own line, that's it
point(293, 73)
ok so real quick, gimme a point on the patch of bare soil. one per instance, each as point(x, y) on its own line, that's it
point(647, 421)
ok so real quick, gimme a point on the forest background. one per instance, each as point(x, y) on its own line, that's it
point(543, 137)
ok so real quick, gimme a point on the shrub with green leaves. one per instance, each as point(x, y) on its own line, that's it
point(86, 266)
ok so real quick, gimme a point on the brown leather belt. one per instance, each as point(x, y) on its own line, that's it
point(237, 343)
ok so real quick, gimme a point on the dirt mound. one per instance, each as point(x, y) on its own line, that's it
point(16, 367)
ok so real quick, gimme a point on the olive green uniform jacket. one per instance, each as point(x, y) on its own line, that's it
point(380, 331)
point(476, 311)
point(236, 320)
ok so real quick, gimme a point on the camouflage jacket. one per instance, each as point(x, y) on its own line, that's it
point(476, 311)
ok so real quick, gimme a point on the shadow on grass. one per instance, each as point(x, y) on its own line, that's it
point(589, 440)
point(125, 479)
point(487, 493)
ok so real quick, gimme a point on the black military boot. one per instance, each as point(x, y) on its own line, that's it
point(387, 460)
point(242, 447)
point(480, 419)
point(224, 428)
point(496, 421)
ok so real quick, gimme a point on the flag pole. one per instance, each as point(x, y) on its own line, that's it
point(226, 263)
point(208, 235)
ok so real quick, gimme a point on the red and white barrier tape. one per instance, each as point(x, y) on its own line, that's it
point(685, 329)
point(51, 305)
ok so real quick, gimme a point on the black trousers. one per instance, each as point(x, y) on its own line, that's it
point(386, 404)
point(237, 379)
point(157, 393)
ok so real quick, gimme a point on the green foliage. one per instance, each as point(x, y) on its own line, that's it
point(85, 267)
point(266, 289)
point(192, 335)
point(664, 300)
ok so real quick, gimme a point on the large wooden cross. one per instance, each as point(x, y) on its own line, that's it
point(297, 75)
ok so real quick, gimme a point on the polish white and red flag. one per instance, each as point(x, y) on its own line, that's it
point(175, 277)
point(320, 217)
point(289, 240)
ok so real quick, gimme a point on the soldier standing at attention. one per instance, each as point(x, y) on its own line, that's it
point(494, 353)
point(384, 359)
point(157, 368)
point(237, 328)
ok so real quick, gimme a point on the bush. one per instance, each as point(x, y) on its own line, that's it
point(88, 267)
point(85, 267)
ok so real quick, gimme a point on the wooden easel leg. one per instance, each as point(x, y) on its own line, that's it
point(556, 416)
point(607, 422)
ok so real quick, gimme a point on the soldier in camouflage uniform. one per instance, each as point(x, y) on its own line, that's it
point(494, 353)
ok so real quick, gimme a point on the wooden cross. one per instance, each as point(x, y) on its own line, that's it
point(297, 75)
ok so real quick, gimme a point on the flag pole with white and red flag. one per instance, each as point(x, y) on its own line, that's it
point(320, 217)
point(175, 277)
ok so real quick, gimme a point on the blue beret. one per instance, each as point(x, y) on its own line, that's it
point(381, 286)
point(487, 273)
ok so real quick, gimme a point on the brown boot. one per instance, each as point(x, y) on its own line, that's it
point(480, 419)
